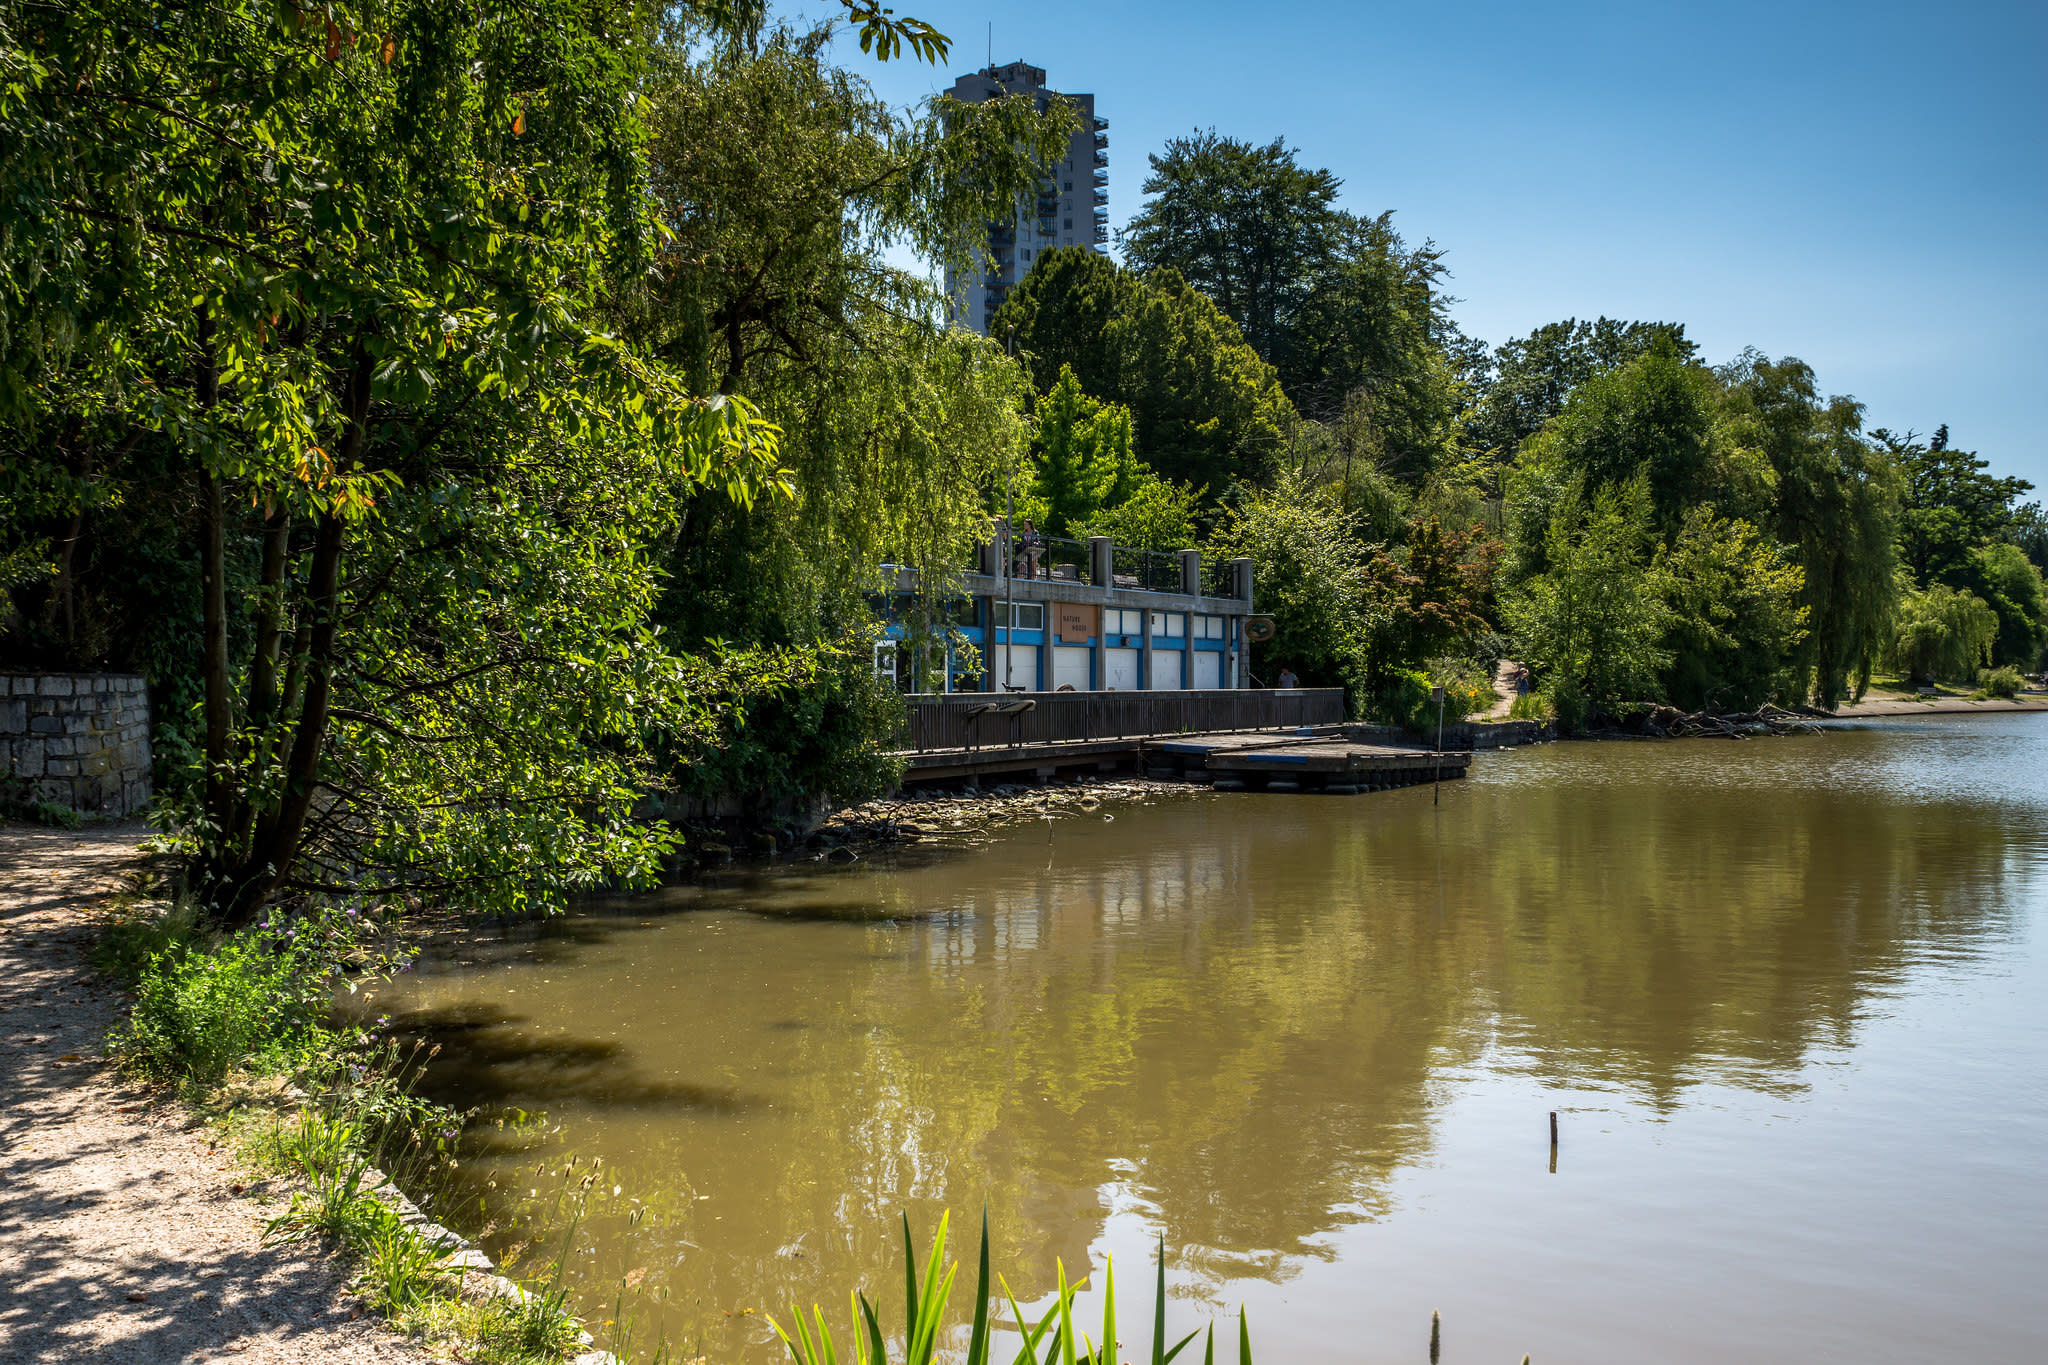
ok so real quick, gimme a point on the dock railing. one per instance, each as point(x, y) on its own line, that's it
point(982, 720)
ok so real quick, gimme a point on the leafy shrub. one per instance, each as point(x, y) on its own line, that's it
point(1532, 706)
point(127, 946)
point(255, 1000)
point(2000, 682)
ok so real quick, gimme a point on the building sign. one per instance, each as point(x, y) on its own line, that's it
point(1077, 622)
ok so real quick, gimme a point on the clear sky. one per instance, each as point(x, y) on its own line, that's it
point(1862, 186)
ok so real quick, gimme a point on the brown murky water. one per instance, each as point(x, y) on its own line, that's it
point(1789, 999)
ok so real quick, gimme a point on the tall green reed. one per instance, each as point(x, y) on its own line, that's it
point(924, 1309)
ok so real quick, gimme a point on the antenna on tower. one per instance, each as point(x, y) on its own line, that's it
point(991, 43)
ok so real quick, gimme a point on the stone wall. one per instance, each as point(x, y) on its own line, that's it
point(78, 739)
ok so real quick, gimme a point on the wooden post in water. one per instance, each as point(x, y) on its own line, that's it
point(1438, 794)
point(1436, 1334)
point(1553, 1142)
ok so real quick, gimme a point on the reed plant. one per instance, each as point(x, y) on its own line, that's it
point(1055, 1339)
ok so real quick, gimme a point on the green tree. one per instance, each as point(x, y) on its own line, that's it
point(1085, 461)
point(1652, 418)
point(1834, 505)
point(303, 265)
point(1942, 633)
point(1204, 408)
point(1591, 625)
point(1432, 594)
point(2004, 579)
point(1307, 566)
point(1735, 616)
point(1530, 378)
point(1948, 504)
point(1247, 225)
point(1156, 516)
point(1336, 302)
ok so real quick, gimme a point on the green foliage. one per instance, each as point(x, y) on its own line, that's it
point(1247, 225)
point(2001, 682)
point(1429, 597)
point(127, 948)
point(1308, 579)
point(1735, 613)
point(1942, 633)
point(1650, 418)
point(332, 279)
point(1532, 377)
point(342, 1200)
point(254, 1000)
point(1590, 626)
point(1334, 301)
point(1205, 409)
point(1157, 516)
point(2001, 574)
point(1085, 463)
point(796, 723)
point(1833, 505)
point(1949, 505)
point(38, 811)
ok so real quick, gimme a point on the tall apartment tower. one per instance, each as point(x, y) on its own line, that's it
point(1071, 207)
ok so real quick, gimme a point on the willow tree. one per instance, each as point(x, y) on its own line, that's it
point(786, 191)
point(1835, 498)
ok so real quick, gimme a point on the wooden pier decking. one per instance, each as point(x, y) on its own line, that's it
point(1312, 759)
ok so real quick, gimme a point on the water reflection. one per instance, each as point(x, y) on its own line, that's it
point(1236, 1017)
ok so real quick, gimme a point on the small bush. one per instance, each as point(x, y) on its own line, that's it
point(1532, 706)
point(2001, 682)
point(254, 1001)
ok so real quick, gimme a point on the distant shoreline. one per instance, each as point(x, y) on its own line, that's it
point(1939, 706)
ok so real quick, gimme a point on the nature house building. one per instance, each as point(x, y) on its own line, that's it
point(1053, 615)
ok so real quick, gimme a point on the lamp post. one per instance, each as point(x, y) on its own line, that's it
point(1009, 537)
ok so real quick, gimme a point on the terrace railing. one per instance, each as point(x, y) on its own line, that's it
point(983, 720)
point(1146, 570)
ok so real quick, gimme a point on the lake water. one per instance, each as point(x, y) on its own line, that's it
point(1788, 998)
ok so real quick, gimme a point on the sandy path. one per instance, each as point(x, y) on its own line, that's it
point(119, 1240)
point(1940, 706)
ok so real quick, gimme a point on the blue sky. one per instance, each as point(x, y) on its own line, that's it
point(1865, 187)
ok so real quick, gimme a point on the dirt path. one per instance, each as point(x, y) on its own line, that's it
point(119, 1239)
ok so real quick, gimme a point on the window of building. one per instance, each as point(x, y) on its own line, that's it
point(1170, 625)
point(1070, 222)
point(1023, 615)
point(1208, 627)
point(1118, 622)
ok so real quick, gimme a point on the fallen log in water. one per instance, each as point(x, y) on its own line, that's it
point(1669, 722)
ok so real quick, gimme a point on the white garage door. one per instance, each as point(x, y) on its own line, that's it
point(1208, 669)
point(1122, 670)
point(1070, 667)
point(1165, 670)
point(1021, 671)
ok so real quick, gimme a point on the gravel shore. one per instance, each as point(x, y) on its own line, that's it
point(120, 1238)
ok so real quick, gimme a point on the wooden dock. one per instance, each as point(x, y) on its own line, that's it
point(1310, 759)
